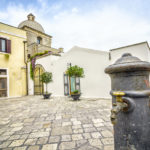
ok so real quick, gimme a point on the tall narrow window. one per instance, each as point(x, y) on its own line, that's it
point(5, 45)
point(39, 40)
point(66, 84)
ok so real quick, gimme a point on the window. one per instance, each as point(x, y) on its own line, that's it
point(5, 45)
point(3, 72)
point(71, 84)
point(39, 39)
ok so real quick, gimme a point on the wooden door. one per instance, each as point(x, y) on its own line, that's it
point(3, 87)
point(38, 85)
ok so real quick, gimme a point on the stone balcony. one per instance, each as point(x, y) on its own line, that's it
point(39, 48)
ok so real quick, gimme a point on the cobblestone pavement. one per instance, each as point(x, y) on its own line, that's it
point(32, 123)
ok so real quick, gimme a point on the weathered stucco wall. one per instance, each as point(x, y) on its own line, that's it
point(96, 83)
point(32, 40)
point(94, 62)
point(140, 50)
point(32, 37)
point(15, 63)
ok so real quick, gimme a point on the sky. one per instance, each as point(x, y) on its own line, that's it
point(94, 24)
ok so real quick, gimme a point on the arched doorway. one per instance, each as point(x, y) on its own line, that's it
point(38, 85)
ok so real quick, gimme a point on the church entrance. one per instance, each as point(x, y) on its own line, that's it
point(38, 85)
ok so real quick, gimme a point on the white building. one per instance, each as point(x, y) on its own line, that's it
point(96, 83)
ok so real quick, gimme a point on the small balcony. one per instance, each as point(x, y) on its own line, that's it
point(39, 48)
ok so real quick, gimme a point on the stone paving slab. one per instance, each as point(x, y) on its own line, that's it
point(32, 123)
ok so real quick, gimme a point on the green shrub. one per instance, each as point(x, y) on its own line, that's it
point(75, 71)
point(6, 56)
point(32, 65)
point(46, 52)
point(31, 71)
point(75, 92)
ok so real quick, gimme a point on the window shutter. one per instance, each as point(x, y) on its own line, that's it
point(8, 46)
point(77, 83)
point(0, 46)
point(66, 85)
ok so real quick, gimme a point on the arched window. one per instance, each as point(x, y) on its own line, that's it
point(39, 40)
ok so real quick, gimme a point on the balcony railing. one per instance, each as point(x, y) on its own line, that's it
point(39, 48)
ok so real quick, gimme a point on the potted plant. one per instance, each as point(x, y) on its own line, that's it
point(46, 78)
point(75, 95)
point(75, 71)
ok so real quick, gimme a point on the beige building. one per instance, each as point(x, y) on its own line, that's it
point(12, 61)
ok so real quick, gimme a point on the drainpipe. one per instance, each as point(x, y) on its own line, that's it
point(26, 65)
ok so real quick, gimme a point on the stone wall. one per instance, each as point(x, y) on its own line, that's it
point(32, 40)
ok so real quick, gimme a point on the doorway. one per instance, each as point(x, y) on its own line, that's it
point(3, 83)
point(38, 85)
point(71, 84)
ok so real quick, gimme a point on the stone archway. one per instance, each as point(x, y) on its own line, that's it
point(38, 85)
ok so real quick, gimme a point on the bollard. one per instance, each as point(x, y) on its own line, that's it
point(130, 112)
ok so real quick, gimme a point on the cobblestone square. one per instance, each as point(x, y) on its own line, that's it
point(32, 123)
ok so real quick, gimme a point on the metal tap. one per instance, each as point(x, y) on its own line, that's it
point(120, 105)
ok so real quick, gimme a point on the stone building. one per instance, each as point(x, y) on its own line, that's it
point(37, 40)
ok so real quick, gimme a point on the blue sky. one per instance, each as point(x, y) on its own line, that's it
point(96, 24)
point(140, 7)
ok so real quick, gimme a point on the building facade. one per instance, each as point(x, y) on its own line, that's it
point(95, 84)
point(12, 62)
point(38, 43)
point(93, 62)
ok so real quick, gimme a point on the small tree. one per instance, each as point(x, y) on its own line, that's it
point(75, 71)
point(46, 78)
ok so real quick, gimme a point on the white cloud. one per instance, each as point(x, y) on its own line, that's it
point(102, 29)
point(75, 10)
